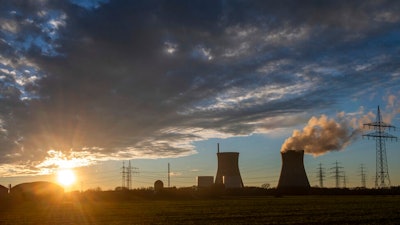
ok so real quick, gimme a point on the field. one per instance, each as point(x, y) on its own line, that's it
point(230, 210)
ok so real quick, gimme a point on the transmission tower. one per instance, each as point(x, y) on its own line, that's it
point(129, 170)
point(382, 179)
point(169, 175)
point(363, 176)
point(321, 175)
point(129, 176)
point(123, 175)
point(337, 172)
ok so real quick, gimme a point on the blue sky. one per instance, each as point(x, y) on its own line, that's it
point(90, 84)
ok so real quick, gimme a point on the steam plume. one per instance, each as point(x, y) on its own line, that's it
point(322, 135)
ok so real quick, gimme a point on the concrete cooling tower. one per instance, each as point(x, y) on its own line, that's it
point(293, 179)
point(228, 170)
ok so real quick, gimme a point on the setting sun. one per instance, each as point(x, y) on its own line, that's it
point(66, 177)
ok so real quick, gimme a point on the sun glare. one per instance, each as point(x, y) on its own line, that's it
point(66, 177)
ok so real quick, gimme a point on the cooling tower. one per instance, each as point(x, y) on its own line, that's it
point(293, 179)
point(228, 170)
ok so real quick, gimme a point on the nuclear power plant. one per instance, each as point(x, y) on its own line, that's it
point(293, 179)
point(228, 172)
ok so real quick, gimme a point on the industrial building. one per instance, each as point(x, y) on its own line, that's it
point(205, 181)
point(228, 172)
point(158, 185)
point(293, 178)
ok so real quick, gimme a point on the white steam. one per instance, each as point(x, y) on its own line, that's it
point(322, 135)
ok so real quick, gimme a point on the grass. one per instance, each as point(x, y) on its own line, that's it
point(235, 210)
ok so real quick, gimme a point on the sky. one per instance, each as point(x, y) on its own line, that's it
point(93, 84)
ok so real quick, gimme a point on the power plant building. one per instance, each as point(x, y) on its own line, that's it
point(158, 185)
point(205, 181)
point(228, 172)
point(293, 178)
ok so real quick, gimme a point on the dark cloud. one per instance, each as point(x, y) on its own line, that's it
point(146, 78)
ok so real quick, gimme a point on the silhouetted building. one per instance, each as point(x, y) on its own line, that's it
point(205, 181)
point(228, 170)
point(158, 185)
point(293, 179)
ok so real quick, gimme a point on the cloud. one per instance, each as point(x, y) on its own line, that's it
point(106, 80)
point(89, 4)
point(392, 108)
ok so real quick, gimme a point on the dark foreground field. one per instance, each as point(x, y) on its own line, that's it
point(234, 210)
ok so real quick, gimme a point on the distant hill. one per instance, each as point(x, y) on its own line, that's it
point(40, 190)
point(3, 191)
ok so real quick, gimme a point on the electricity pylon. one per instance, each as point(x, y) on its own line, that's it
point(321, 175)
point(127, 175)
point(382, 179)
point(363, 176)
point(338, 173)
